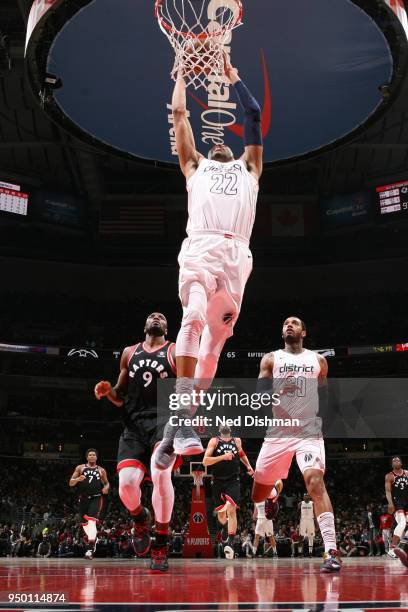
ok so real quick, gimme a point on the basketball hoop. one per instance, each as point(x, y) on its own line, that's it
point(198, 477)
point(198, 30)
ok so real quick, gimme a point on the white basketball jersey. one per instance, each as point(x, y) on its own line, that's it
point(222, 197)
point(306, 511)
point(261, 510)
point(300, 369)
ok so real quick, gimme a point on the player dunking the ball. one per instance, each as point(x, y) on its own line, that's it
point(141, 366)
point(215, 259)
point(297, 374)
point(93, 484)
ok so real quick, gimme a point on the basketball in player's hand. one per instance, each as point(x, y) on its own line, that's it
point(102, 389)
point(198, 56)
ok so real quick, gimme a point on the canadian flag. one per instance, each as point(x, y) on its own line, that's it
point(398, 7)
point(287, 220)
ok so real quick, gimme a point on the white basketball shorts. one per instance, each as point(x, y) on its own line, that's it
point(222, 265)
point(275, 457)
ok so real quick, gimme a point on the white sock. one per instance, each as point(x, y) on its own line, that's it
point(85, 527)
point(327, 529)
point(92, 531)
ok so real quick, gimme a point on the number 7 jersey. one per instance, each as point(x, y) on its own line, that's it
point(222, 198)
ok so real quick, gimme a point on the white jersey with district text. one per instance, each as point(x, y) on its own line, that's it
point(260, 507)
point(295, 378)
point(306, 511)
point(222, 198)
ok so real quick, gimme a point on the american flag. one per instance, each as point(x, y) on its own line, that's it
point(134, 218)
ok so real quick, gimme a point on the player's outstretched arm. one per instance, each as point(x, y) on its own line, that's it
point(253, 155)
point(189, 157)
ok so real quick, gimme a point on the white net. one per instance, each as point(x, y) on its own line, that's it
point(197, 31)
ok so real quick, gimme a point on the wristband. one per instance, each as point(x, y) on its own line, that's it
point(252, 119)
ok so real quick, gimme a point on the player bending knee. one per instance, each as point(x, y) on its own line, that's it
point(215, 260)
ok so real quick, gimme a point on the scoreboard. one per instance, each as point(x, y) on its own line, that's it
point(13, 200)
point(393, 198)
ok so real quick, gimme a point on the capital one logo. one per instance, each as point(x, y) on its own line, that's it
point(198, 517)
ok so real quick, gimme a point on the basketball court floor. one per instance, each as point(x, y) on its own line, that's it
point(200, 585)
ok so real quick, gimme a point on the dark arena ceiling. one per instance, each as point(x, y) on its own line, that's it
point(133, 210)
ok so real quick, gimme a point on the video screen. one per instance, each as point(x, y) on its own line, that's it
point(12, 199)
point(393, 199)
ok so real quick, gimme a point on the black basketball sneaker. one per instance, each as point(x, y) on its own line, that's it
point(159, 562)
point(141, 533)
